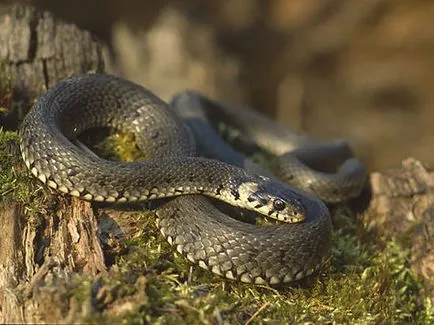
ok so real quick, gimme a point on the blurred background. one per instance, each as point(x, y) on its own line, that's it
point(355, 69)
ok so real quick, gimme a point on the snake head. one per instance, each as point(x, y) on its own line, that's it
point(273, 200)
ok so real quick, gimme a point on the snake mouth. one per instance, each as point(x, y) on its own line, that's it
point(241, 214)
point(246, 215)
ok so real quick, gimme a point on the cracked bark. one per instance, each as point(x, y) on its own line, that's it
point(39, 258)
point(402, 207)
point(42, 254)
point(36, 51)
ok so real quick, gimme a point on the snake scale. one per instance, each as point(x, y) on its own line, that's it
point(245, 252)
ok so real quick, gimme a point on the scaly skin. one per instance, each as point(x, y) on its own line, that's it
point(214, 241)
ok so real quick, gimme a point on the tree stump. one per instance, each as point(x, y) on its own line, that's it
point(402, 206)
point(36, 51)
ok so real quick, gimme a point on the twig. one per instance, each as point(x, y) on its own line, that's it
point(257, 313)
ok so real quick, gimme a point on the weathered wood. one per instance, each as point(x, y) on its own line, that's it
point(36, 51)
point(402, 206)
point(11, 262)
point(40, 254)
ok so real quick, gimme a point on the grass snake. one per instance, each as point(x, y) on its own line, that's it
point(250, 253)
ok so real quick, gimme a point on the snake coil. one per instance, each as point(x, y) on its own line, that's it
point(206, 236)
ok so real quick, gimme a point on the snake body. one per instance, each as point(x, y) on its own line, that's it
point(326, 169)
point(228, 247)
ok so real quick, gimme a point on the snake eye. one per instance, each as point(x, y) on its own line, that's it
point(279, 204)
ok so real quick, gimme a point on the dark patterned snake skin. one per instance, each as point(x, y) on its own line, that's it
point(250, 253)
point(327, 170)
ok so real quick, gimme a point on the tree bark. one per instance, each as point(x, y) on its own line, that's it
point(41, 251)
point(402, 206)
point(36, 51)
point(40, 257)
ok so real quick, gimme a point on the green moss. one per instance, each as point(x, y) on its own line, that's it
point(16, 183)
point(363, 284)
point(112, 145)
point(366, 281)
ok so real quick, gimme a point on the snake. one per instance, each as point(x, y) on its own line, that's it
point(326, 169)
point(188, 182)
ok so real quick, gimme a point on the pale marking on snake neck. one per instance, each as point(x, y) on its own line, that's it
point(244, 190)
